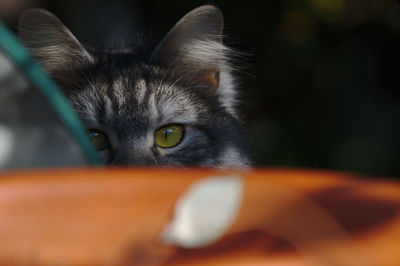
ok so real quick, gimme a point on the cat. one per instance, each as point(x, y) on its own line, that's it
point(172, 104)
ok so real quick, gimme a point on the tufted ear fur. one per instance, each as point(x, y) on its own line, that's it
point(51, 43)
point(194, 49)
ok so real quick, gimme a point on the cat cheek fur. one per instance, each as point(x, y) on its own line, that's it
point(187, 79)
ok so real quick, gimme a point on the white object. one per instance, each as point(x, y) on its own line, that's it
point(6, 144)
point(204, 212)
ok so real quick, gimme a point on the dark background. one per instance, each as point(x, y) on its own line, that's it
point(320, 85)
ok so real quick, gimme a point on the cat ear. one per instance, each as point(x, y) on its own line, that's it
point(50, 42)
point(193, 47)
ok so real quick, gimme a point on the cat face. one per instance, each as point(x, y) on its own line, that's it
point(170, 105)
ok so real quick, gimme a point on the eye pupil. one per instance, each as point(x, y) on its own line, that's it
point(168, 136)
point(98, 139)
point(92, 135)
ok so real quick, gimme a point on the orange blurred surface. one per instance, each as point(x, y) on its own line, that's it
point(115, 217)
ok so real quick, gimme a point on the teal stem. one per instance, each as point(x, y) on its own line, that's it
point(19, 55)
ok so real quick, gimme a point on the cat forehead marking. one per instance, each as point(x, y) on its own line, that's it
point(172, 104)
point(140, 90)
point(119, 92)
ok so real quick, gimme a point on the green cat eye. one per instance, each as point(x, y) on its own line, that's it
point(168, 136)
point(99, 139)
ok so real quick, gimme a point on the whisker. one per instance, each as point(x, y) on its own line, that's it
point(180, 78)
point(166, 73)
point(195, 87)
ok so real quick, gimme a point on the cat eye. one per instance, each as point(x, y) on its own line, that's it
point(168, 136)
point(98, 139)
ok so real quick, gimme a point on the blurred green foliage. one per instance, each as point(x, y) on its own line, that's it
point(321, 84)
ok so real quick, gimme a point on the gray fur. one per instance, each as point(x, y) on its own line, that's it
point(130, 93)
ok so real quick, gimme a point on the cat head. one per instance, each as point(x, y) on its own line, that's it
point(173, 104)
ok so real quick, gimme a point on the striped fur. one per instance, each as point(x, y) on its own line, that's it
point(130, 93)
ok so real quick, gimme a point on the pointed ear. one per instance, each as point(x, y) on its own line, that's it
point(50, 42)
point(193, 47)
